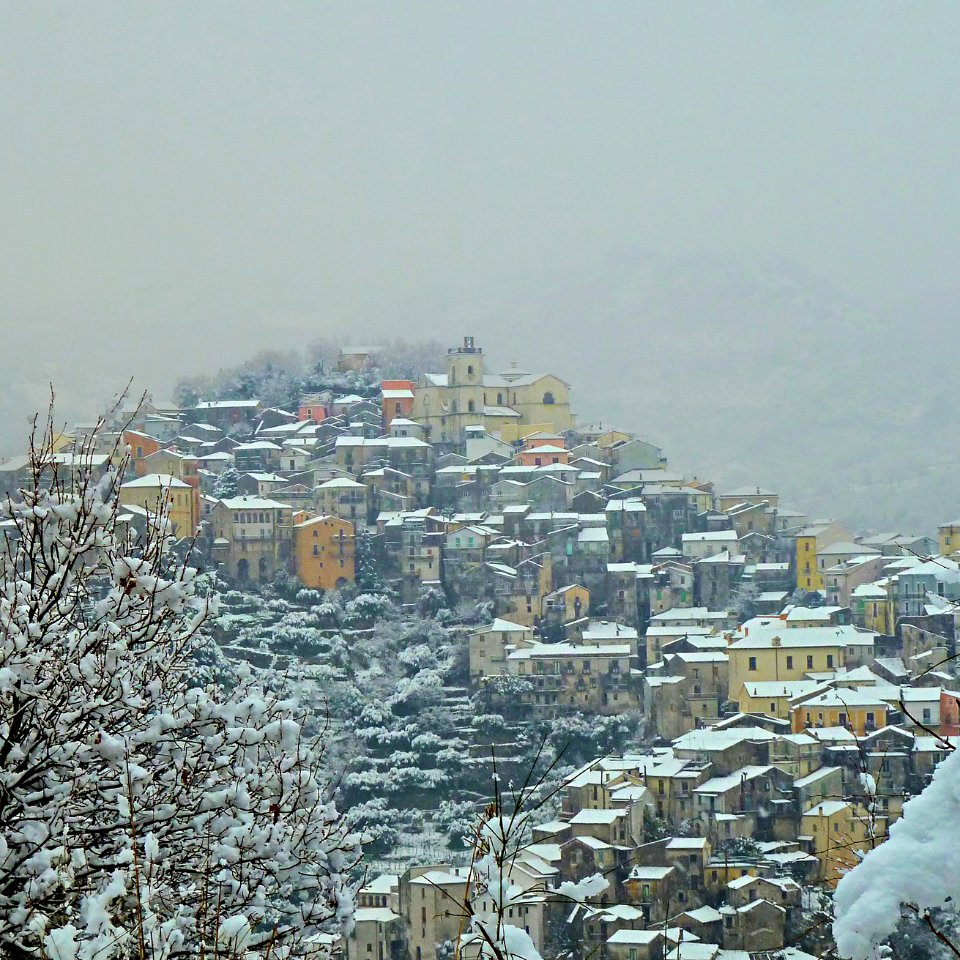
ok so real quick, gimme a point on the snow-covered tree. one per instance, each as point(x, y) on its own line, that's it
point(366, 609)
point(145, 810)
point(225, 486)
point(499, 840)
point(368, 576)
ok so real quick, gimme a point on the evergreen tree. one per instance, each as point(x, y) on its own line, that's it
point(368, 575)
point(225, 486)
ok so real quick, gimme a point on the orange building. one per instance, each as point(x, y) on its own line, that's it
point(313, 408)
point(949, 713)
point(396, 401)
point(324, 550)
point(141, 445)
point(543, 455)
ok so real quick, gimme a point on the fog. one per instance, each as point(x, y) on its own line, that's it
point(731, 226)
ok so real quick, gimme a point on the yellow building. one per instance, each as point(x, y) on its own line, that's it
point(490, 645)
point(838, 833)
point(747, 495)
point(467, 396)
point(857, 710)
point(324, 551)
point(809, 541)
point(513, 431)
point(808, 577)
point(874, 606)
point(612, 437)
point(770, 652)
point(158, 492)
point(948, 535)
point(566, 604)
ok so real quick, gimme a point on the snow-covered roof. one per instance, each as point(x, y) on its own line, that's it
point(710, 536)
point(634, 937)
point(732, 780)
point(341, 483)
point(253, 503)
point(827, 808)
point(772, 689)
point(258, 445)
point(763, 635)
point(595, 817)
point(225, 404)
point(705, 914)
point(152, 480)
point(650, 873)
point(687, 843)
point(374, 915)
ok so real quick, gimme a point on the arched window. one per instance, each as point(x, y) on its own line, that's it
point(471, 406)
point(548, 398)
point(453, 406)
point(470, 370)
point(499, 399)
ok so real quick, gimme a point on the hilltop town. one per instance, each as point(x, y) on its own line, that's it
point(457, 570)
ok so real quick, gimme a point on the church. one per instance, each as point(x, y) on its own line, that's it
point(511, 404)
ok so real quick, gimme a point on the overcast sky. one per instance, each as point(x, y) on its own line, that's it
point(185, 183)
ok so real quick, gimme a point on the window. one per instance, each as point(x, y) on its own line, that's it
point(810, 662)
point(829, 660)
point(789, 663)
point(548, 398)
point(752, 663)
point(870, 717)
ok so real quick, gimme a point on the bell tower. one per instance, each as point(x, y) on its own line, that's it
point(465, 365)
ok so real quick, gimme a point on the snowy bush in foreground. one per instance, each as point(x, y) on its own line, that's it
point(919, 865)
point(145, 811)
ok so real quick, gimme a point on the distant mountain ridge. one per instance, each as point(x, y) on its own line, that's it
point(745, 369)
